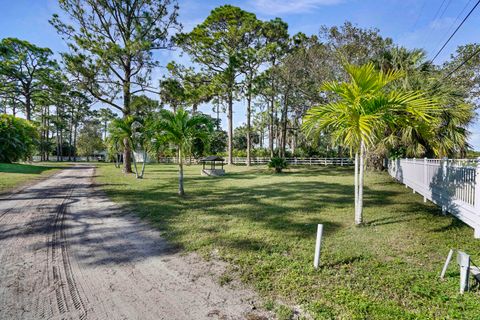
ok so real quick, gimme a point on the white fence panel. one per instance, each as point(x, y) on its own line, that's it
point(452, 184)
point(290, 161)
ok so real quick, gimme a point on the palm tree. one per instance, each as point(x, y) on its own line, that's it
point(137, 133)
point(362, 110)
point(181, 129)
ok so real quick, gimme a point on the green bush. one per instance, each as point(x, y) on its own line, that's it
point(278, 164)
point(18, 138)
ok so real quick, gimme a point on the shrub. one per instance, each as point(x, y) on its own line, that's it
point(278, 164)
point(18, 138)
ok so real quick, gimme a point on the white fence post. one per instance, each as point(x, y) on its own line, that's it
point(425, 176)
point(477, 195)
point(444, 163)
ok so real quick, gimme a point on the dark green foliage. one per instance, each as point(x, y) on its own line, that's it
point(18, 138)
point(278, 164)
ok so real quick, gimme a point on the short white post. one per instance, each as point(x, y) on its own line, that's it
point(318, 246)
point(463, 260)
point(447, 262)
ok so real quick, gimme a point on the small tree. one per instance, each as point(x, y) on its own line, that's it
point(90, 139)
point(181, 128)
point(18, 138)
point(361, 112)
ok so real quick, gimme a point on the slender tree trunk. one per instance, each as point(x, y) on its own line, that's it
point(144, 162)
point(28, 107)
point(47, 152)
point(127, 156)
point(284, 125)
point(181, 192)
point(359, 219)
point(135, 166)
point(70, 137)
point(230, 127)
point(356, 188)
point(105, 130)
point(270, 133)
point(249, 125)
point(42, 136)
point(75, 142)
point(58, 136)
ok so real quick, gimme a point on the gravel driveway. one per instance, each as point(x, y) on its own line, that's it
point(68, 252)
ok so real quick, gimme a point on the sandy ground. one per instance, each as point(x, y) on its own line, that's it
point(68, 252)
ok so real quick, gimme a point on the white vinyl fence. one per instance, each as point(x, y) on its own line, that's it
point(291, 161)
point(452, 184)
point(65, 159)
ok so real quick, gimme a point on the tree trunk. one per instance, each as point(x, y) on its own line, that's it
point(47, 153)
point(249, 125)
point(356, 188)
point(135, 166)
point(194, 108)
point(75, 142)
point(127, 159)
point(270, 133)
point(144, 162)
point(284, 125)
point(28, 107)
point(70, 137)
point(230, 128)
point(359, 217)
point(181, 192)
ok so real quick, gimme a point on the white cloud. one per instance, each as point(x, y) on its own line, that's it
point(272, 7)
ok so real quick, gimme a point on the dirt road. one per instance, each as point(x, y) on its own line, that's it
point(67, 252)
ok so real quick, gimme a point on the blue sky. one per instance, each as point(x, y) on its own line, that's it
point(421, 24)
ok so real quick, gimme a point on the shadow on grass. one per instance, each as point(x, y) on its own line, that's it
point(25, 168)
point(273, 206)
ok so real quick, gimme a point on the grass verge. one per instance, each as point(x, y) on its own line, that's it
point(264, 224)
point(15, 174)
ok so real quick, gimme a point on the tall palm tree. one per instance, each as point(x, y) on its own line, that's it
point(361, 111)
point(181, 129)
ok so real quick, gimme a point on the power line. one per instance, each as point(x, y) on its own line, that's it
point(470, 57)
point(454, 22)
point(459, 26)
point(429, 33)
point(419, 14)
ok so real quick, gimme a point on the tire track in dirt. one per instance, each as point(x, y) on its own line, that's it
point(68, 252)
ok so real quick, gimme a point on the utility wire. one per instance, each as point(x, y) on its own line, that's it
point(470, 57)
point(459, 26)
point(419, 14)
point(454, 22)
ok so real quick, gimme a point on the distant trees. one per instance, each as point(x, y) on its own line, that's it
point(218, 45)
point(90, 139)
point(25, 70)
point(111, 46)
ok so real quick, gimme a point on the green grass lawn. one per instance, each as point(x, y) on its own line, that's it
point(15, 174)
point(265, 225)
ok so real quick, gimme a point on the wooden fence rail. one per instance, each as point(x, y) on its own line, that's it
point(452, 184)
